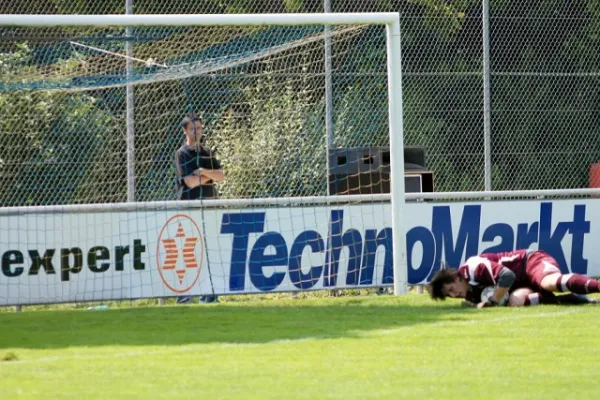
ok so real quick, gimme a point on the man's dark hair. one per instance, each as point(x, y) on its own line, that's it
point(189, 118)
point(441, 278)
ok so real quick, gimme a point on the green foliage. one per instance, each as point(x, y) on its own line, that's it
point(55, 148)
point(279, 150)
point(87, 7)
point(443, 18)
point(293, 5)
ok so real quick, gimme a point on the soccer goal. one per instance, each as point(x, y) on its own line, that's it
point(302, 113)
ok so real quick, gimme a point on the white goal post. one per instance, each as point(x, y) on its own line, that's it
point(395, 108)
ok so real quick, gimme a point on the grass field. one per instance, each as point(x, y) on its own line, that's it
point(322, 348)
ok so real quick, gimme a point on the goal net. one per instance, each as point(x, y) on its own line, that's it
point(295, 109)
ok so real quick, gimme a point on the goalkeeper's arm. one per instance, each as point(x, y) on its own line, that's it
point(505, 280)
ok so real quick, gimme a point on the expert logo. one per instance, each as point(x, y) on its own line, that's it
point(179, 253)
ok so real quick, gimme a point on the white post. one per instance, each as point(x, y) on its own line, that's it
point(130, 110)
point(328, 101)
point(397, 158)
point(328, 92)
point(487, 99)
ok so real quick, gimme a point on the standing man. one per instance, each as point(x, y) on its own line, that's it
point(197, 172)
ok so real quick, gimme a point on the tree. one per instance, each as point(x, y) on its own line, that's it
point(278, 147)
point(55, 147)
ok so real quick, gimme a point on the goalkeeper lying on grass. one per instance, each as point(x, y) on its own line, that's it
point(507, 272)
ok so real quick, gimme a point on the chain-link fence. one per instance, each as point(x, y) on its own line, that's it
point(61, 148)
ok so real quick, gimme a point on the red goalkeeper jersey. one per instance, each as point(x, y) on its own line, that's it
point(482, 271)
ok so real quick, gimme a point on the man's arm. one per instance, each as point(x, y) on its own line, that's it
point(211, 168)
point(185, 169)
point(203, 176)
point(194, 180)
point(216, 175)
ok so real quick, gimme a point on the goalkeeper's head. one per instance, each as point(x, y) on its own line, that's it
point(193, 129)
point(448, 283)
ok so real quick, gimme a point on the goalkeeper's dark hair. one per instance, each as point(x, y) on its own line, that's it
point(189, 118)
point(440, 279)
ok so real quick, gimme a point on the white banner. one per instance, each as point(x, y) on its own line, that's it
point(63, 257)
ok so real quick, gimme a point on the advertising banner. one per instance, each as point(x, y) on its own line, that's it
point(80, 256)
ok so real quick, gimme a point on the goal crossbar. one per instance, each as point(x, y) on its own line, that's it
point(200, 19)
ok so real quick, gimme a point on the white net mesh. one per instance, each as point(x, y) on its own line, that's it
point(260, 90)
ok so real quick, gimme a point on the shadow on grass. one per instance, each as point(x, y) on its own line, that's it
point(255, 322)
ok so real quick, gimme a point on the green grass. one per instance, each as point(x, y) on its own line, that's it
point(321, 348)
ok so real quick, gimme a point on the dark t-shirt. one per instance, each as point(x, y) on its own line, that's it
point(187, 160)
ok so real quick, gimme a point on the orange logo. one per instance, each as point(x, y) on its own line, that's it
point(179, 253)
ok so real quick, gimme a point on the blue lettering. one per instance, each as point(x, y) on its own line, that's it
point(506, 235)
point(467, 240)
point(526, 236)
point(259, 260)
point(550, 240)
point(443, 240)
point(240, 225)
point(579, 227)
point(315, 242)
point(420, 234)
point(372, 243)
point(337, 241)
